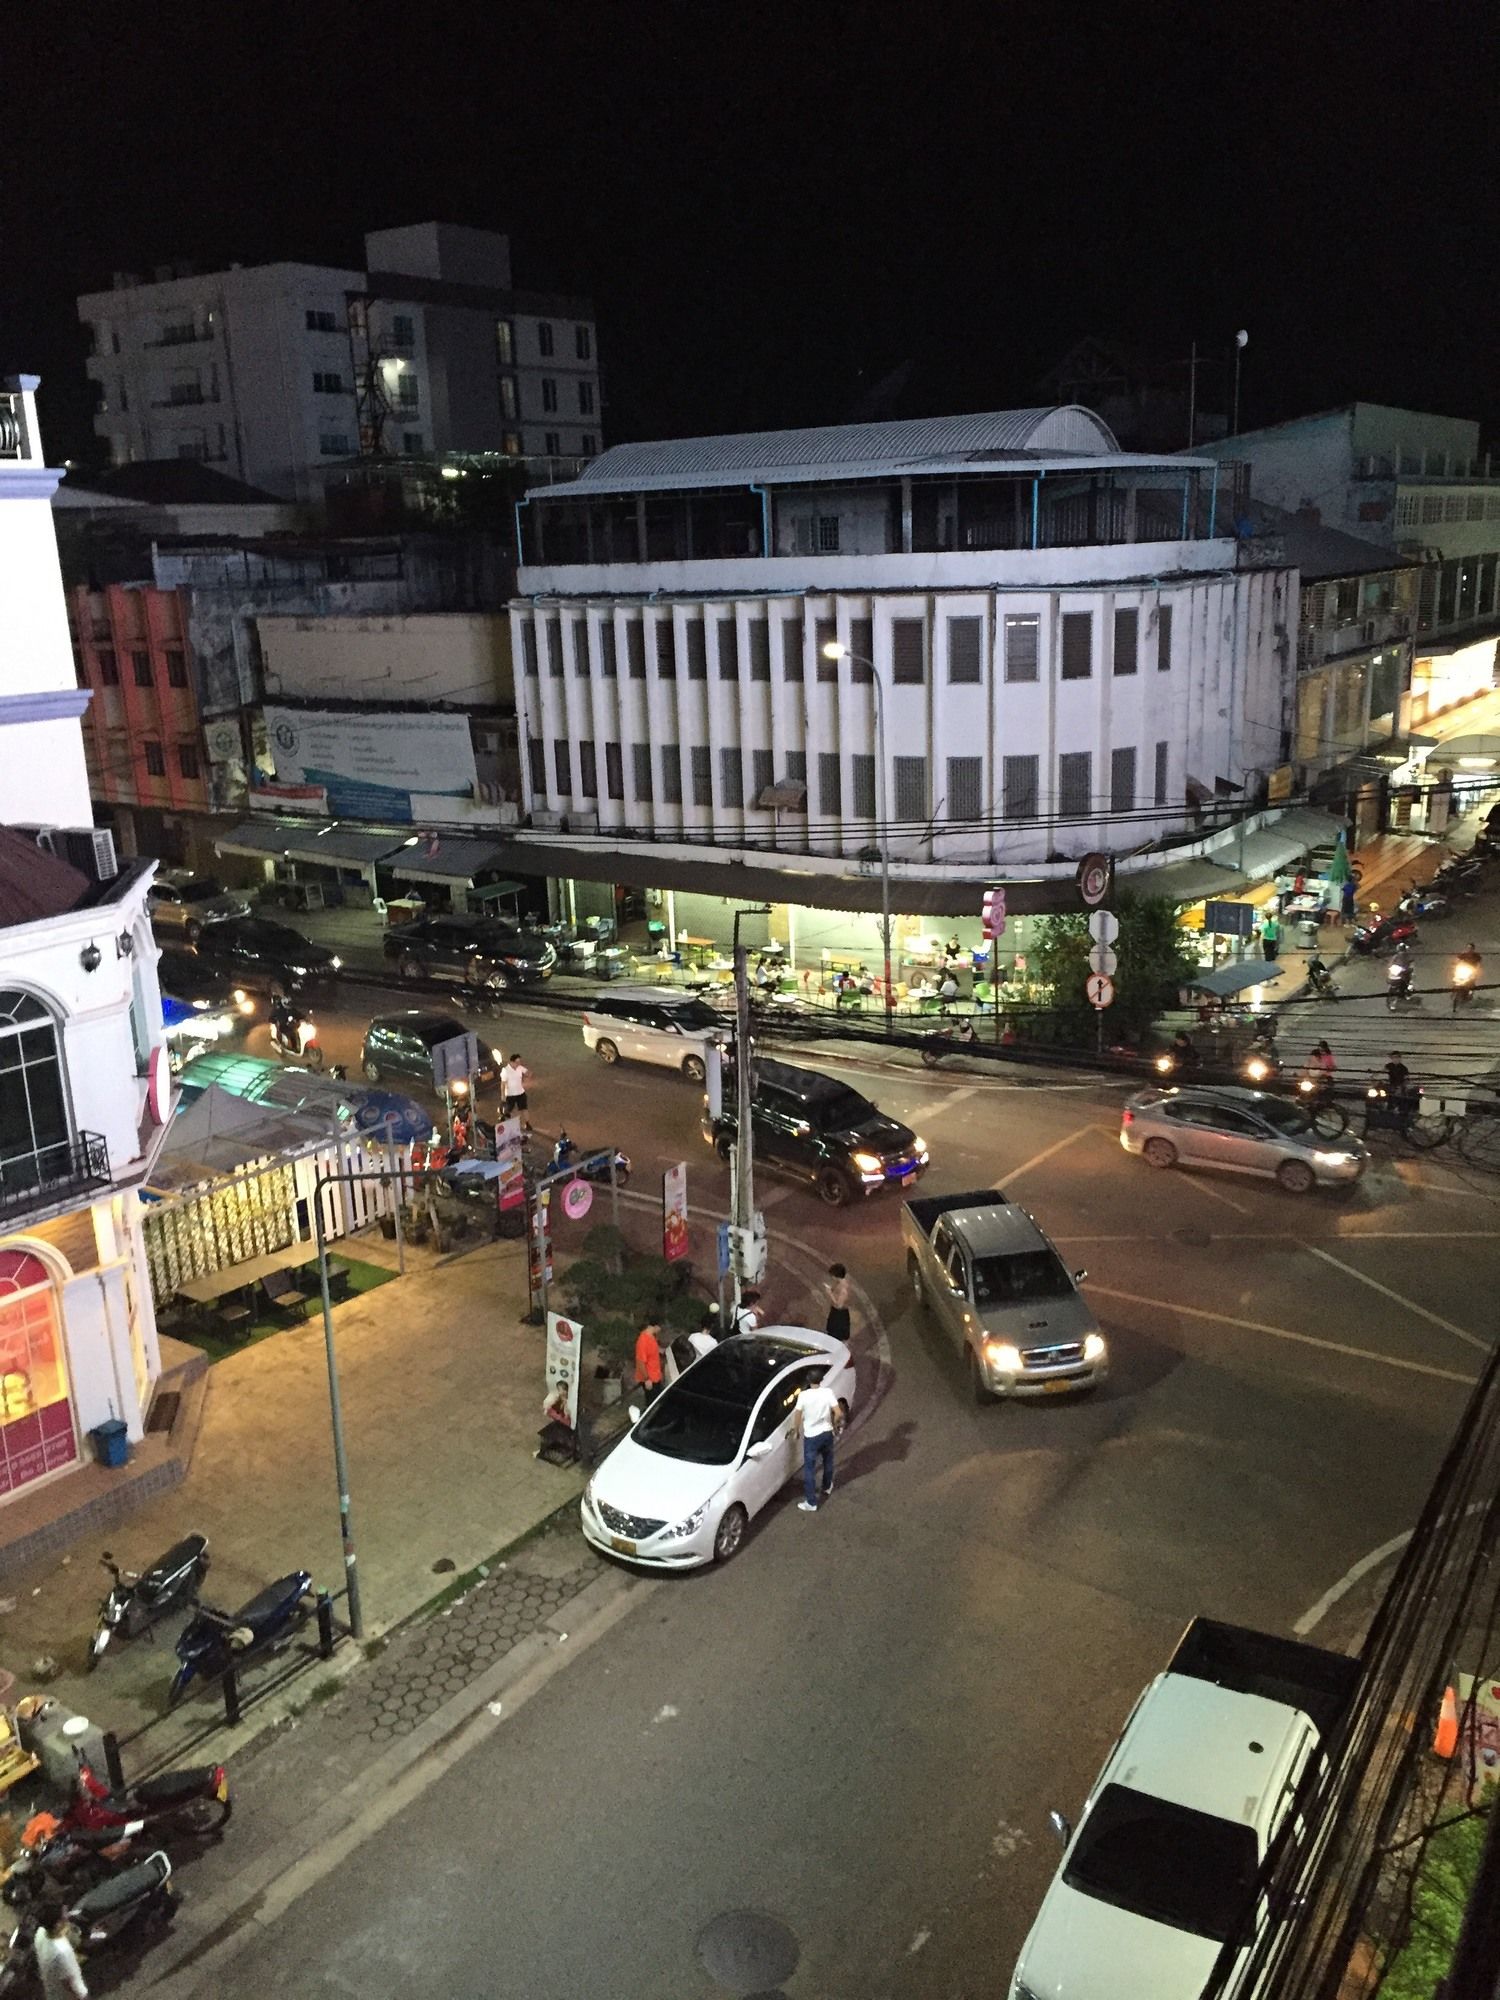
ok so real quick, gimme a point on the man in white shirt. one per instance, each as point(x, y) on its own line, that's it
point(746, 1315)
point(818, 1408)
point(56, 1960)
point(513, 1077)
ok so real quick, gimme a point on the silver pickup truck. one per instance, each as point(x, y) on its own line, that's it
point(997, 1285)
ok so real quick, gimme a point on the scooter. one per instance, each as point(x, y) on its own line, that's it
point(295, 1036)
point(1385, 935)
point(67, 1862)
point(1398, 978)
point(195, 1798)
point(137, 1597)
point(1465, 979)
point(594, 1166)
point(123, 1904)
point(1425, 903)
point(948, 1040)
point(214, 1641)
point(1320, 981)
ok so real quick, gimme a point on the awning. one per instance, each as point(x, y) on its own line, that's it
point(456, 860)
point(1224, 981)
point(492, 891)
point(329, 844)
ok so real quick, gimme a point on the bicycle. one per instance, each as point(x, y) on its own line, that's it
point(1420, 1121)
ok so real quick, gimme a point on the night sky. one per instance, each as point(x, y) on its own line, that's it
point(776, 209)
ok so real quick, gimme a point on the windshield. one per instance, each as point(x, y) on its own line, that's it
point(1289, 1119)
point(200, 890)
point(832, 1114)
point(695, 1014)
point(681, 1424)
point(1031, 1274)
point(1181, 1867)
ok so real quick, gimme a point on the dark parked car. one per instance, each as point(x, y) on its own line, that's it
point(485, 953)
point(186, 977)
point(402, 1045)
point(820, 1130)
point(189, 903)
point(265, 957)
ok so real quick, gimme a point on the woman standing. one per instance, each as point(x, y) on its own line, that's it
point(837, 1288)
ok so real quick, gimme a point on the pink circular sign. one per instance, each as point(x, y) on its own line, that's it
point(577, 1200)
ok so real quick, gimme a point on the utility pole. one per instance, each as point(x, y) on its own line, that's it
point(744, 1139)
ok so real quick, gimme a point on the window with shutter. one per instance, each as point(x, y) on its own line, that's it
point(862, 649)
point(1164, 639)
point(700, 760)
point(965, 786)
point(791, 648)
point(536, 758)
point(635, 649)
point(862, 776)
point(825, 632)
point(965, 650)
point(908, 652)
point(671, 774)
point(608, 663)
point(761, 774)
point(796, 767)
point(1077, 645)
point(581, 664)
point(760, 650)
point(1019, 782)
point(697, 651)
point(1160, 787)
point(830, 791)
point(1126, 621)
point(1074, 783)
point(1122, 781)
point(552, 647)
point(588, 769)
point(528, 646)
point(666, 656)
point(731, 778)
point(729, 650)
point(1022, 646)
point(910, 787)
point(640, 771)
point(614, 771)
point(562, 761)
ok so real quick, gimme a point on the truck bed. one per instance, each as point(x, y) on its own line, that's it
point(1319, 1683)
point(924, 1210)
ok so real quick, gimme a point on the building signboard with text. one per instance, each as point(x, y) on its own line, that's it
point(369, 764)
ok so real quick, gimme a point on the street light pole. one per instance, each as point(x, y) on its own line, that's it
point(744, 1140)
point(835, 651)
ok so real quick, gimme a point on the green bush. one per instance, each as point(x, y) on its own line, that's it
point(615, 1305)
point(1439, 1900)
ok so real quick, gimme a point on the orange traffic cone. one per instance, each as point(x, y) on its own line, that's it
point(1445, 1740)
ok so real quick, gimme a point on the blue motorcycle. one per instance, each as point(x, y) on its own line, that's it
point(214, 1641)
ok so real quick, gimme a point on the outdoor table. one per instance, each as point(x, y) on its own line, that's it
point(338, 1277)
point(403, 910)
point(214, 1285)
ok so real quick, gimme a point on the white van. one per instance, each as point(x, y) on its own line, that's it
point(647, 1024)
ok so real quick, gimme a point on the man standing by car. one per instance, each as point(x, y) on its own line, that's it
point(818, 1408)
point(513, 1079)
point(648, 1362)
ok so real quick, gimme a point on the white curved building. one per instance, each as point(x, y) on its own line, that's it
point(1068, 649)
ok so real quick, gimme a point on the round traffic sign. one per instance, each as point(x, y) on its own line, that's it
point(1102, 959)
point(1101, 990)
point(1104, 926)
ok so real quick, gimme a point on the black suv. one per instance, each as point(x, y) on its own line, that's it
point(265, 957)
point(485, 953)
point(402, 1045)
point(819, 1129)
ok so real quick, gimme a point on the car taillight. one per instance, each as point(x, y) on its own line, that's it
point(1127, 1117)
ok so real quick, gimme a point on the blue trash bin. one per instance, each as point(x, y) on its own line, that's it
point(111, 1443)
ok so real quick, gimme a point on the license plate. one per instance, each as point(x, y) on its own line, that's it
point(221, 1791)
point(621, 1546)
point(1058, 1388)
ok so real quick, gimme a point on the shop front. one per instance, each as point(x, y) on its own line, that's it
point(38, 1432)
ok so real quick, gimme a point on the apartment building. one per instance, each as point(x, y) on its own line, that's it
point(278, 372)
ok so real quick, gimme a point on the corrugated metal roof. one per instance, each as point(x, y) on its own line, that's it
point(845, 450)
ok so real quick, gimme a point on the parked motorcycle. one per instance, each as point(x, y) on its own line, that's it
point(214, 1641)
point(951, 1039)
point(592, 1163)
point(137, 1597)
point(295, 1035)
point(195, 1798)
point(1384, 935)
point(136, 1898)
point(1424, 903)
point(67, 1860)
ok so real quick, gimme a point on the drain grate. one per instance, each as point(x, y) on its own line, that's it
point(164, 1410)
point(748, 1951)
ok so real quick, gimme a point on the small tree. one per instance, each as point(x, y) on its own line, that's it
point(1155, 959)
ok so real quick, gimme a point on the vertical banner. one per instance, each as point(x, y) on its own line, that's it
point(674, 1222)
point(540, 1263)
point(511, 1181)
point(564, 1365)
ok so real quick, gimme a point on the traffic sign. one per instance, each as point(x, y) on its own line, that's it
point(1102, 959)
point(992, 914)
point(1104, 926)
point(1096, 874)
point(1101, 991)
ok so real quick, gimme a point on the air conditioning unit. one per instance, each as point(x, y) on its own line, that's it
point(89, 849)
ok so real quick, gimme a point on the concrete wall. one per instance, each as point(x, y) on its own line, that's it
point(458, 658)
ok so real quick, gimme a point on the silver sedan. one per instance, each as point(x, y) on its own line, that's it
point(1241, 1132)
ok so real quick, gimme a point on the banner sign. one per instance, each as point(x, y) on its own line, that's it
point(674, 1223)
point(370, 764)
point(539, 1269)
point(564, 1366)
point(510, 1188)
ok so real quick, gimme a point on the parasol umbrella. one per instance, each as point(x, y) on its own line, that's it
point(1339, 871)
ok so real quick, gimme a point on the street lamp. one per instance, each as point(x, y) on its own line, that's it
point(834, 651)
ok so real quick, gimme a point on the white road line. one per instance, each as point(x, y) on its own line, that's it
point(1434, 1319)
point(1036, 1160)
point(951, 1101)
point(777, 1194)
point(1284, 1333)
point(1216, 1194)
point(1319, 1611)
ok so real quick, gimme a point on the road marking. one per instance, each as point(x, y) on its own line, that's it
point(1218, 1194)
point(951, 1101)
point(1315, 1614)
point(1285, 1333)
point(777, 1194)
point(1037, 1159)
point(1435, 1319)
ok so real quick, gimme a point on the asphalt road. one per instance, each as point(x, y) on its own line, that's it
point(857, 1728)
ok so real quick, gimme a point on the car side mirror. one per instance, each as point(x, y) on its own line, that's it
point(1079, 1276)
point(1061, 1826)
point(635, 1413)
point(759, 1449)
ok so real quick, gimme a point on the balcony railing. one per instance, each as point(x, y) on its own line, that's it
point(184, 399)
point(52, 1173)
point(13, 442)
point(180, 336)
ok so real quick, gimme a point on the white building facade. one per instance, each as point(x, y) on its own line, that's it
point(84, 1084)
point(1068, 653)
point(259, 371)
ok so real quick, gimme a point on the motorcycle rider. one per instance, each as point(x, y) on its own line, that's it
point(1466, 970)
point(289, 1025)
point(1319, 978)
point(1320, 1070)
point(1183, 1052)
point(1399, 1090)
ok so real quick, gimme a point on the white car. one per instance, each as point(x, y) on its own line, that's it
point(183, 902)
point(653, 1025)
point(685, 1482)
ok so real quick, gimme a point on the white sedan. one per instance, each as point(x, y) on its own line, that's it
point(683, 1484)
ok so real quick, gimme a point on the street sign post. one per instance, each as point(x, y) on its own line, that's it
point(1104, 926)
point(992, 913)
point(1101, 991)
point(1096, 874)
point(1102, 959)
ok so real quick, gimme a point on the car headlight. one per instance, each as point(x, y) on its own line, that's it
point(297, 971)
point(919, 1147)
point(1093, 1347)
point(1003, 1354)
point(868, 1163)
point(496, 1056)
point(202, 1006)
point(245, 1004)
point(680, 1530)
point(335, 964)
point(1333, 1159)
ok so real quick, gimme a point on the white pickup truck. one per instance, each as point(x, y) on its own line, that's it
point(1163, 1873)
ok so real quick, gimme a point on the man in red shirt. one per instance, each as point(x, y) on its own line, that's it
point(648, 1362)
